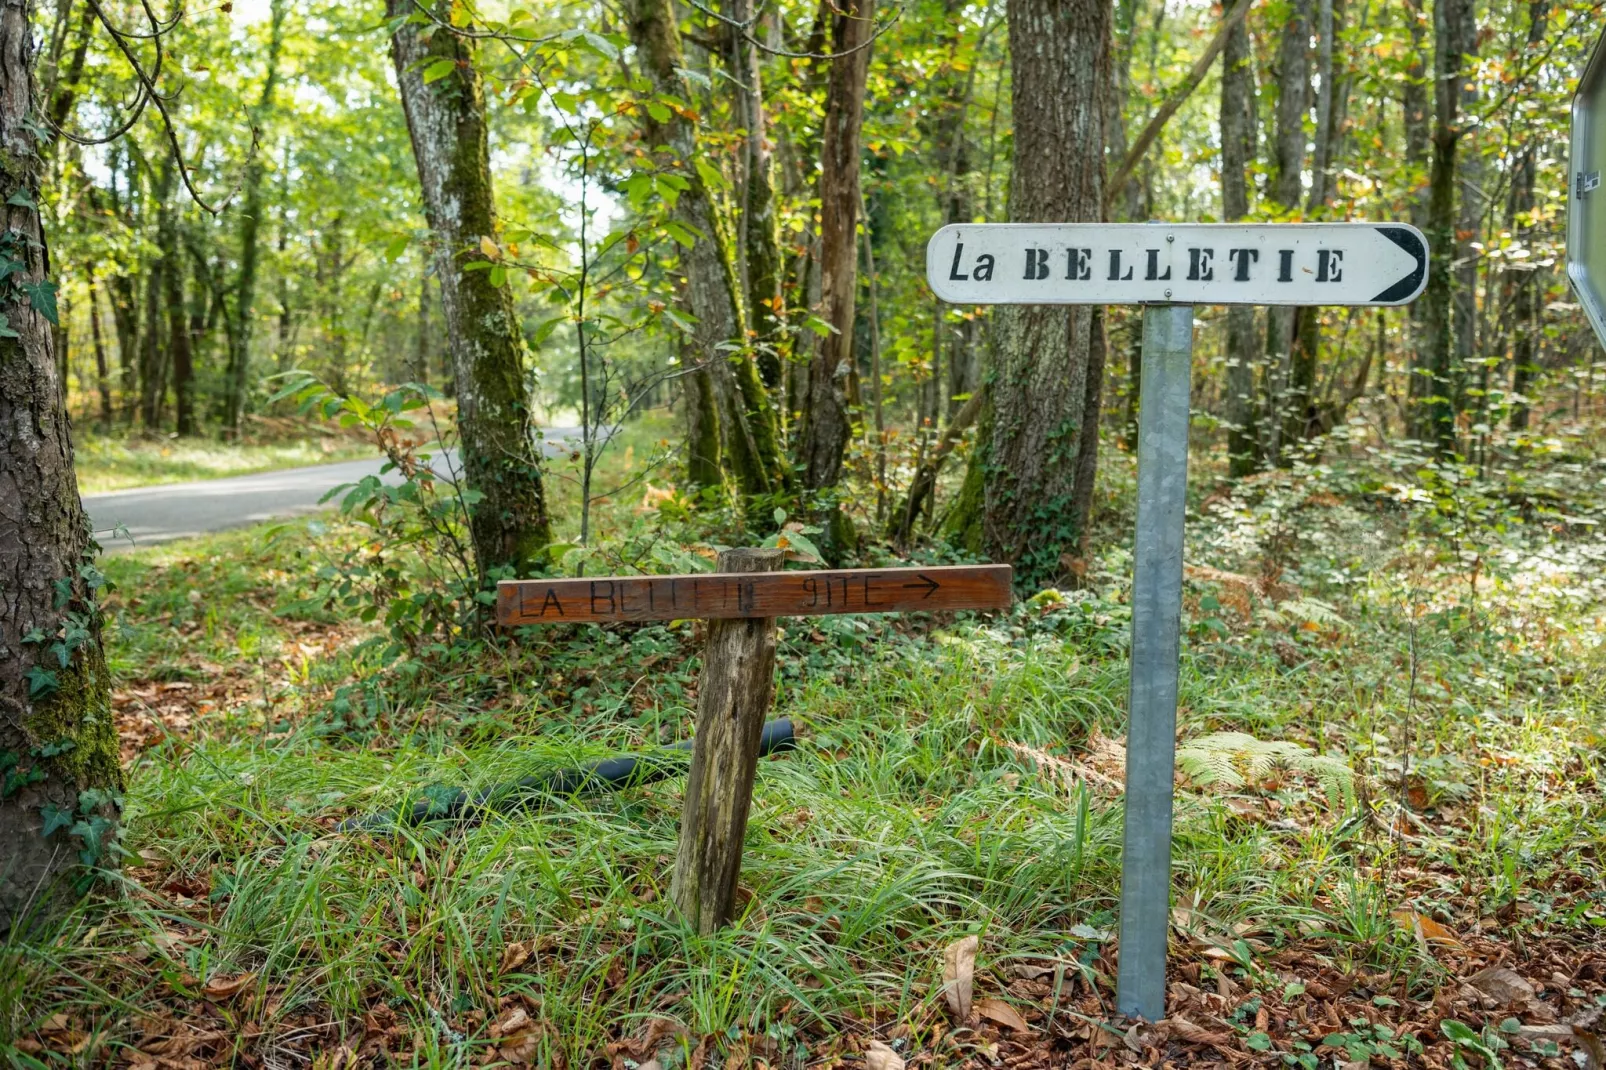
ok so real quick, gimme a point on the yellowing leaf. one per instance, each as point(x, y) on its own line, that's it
point(489, 248)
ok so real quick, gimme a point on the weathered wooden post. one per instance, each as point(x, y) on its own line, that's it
point(733, 697)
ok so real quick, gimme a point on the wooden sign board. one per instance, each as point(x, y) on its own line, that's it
point(735, 595)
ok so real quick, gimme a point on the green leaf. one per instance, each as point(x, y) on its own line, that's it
point(438, 70)
point(42, 296)
point(712, 177)
point(1460, 1033)
point(1258, 1041)
point(41, 682)
point(55, 818)
point(397, 247)
point(22, 199)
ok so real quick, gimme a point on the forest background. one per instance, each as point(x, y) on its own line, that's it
point(693, 237)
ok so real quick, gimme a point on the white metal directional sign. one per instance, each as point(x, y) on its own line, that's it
point(1169, 267)
point(1586, 208)
point(1184, 263)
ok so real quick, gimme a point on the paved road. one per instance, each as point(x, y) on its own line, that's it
point(181, 510)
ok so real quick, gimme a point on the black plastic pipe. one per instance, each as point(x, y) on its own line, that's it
point(609, 774)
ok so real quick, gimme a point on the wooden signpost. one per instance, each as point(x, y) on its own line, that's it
point(1168, 268)
point(741, 600)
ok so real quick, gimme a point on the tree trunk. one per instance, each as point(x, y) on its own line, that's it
point(1434, 413)
point(103, 384)
point(761, 238)
point(446, 120)
point(825, 415)
point(58, 745)
point(1305, 420)
point(178, 327)
point(750, 444)
point(244, 314)
point(1238, 139)
point(1289, 373)
point(1033, 467)
point(153, 352)
point(1525, 298)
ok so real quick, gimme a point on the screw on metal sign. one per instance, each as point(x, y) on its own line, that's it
point(1169, 268)
point(741, 601)
point(1586, 214)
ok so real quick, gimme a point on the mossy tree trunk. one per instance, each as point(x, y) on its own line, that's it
point(750, 442)
point(761, 236)
point(1027, 495)
point(509, 526)
point(60, 780)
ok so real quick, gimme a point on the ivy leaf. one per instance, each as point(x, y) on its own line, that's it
point(55, 818)
point(21, 198)
point(41, 681)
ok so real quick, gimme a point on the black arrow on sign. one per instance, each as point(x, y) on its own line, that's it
point(1407, 240)
point(928, 583)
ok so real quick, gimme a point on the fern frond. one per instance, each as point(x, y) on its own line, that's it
point(1239, 760)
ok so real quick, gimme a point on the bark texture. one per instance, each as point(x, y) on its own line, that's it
point(1039, 424)
point(826, 421)
point(1289, 371)
point(1238, 140)
point(748, 438)
point(446, 120)
point(58, 748)
point(1435, 409)
point(733, 697)
point(761, 237)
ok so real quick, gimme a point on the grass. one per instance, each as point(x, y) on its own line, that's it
point(116, 463)
point(954, 777)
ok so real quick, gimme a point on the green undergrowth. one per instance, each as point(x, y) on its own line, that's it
point(1371, 725)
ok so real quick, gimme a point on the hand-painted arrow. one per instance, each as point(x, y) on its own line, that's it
point(754, 594)
point(1183, 263)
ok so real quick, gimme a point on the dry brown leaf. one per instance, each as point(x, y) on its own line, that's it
point(1502, 985)
point(1002, 1013)
point(514, 956)
point(1192, 1033)
point(338, 1059)
point(510, 1021)
point(227, 987)
point(1427, 930)
point(959, 975)
point(880, 1057)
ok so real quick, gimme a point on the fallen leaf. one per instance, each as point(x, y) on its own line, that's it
point(1191, 1033)
point(1502, 985)
point(514, 956)
point(511, 1021)
point(1002, 1013)
point(226, 987)
point(959, 975)
point(1427, 930)
point(880, 1057)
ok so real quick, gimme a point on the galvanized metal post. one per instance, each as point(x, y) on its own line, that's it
point(1156, 647)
